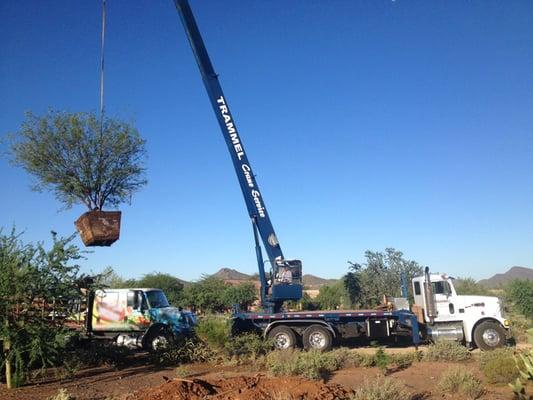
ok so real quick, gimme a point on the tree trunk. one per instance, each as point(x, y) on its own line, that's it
point(9, 373)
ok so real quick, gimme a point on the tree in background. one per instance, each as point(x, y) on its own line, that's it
point(37, 287)
point(381, 275)
point(468, 286)
point(520, 292)
point(243, 294)
point(352, 284)
point(171, 285)
point(206, 295)
point(332, 297)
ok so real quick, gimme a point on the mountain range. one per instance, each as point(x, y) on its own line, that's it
point(315, 282)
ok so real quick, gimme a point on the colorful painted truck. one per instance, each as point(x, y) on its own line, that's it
point(136, 318)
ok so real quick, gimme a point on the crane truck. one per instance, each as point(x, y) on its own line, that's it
point(438, 311)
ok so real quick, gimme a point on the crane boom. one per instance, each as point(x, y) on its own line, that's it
point(252, 195)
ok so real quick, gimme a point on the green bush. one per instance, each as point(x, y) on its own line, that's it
point(444, 350)
point(498, 366)
point(247, 345)
point(185, 350)
point(283, 362)
point(406, 360)
point(381, 389)
point(214, 331)
point(311, 364)
point(459, 380)
point(520, 292)
point(381, 359)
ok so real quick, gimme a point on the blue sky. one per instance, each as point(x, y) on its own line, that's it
point(369, 124)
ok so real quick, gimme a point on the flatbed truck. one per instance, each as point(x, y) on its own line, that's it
point(438, 312)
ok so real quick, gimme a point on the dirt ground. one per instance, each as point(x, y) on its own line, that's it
point(142, 380)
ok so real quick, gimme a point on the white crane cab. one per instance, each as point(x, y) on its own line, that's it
point(475, 320)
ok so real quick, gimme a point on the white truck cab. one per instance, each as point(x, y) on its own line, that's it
point(475, 320)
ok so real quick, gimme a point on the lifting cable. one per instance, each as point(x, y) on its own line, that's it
point(102, 70)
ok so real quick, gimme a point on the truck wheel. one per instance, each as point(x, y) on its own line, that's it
point(317, 337)
point(158, 339)
point(283, 337)
point(489, 335)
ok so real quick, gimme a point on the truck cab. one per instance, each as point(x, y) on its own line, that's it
point(137, 317)
point(476, 320)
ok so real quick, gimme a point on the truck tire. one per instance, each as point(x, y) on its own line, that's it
point(283, 337)
point(489, 335)
point(317, 337)
point(158, 339)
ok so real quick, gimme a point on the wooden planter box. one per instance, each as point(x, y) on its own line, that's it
point(99, 228)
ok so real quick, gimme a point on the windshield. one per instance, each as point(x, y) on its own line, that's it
point(157, 299)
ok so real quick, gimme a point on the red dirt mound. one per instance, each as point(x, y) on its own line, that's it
point(258, 387)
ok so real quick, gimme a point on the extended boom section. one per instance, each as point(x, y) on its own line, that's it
point(272, 294)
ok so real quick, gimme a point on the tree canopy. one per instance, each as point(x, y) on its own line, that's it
point(37, 288)
point(81, 160)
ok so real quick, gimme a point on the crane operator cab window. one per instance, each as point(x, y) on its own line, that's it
point(289, 273)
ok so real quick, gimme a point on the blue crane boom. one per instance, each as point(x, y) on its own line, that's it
point(272, 294)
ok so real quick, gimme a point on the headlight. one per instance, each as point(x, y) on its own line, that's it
point(506, 323)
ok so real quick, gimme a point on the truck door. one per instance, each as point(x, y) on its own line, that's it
point(444, 301)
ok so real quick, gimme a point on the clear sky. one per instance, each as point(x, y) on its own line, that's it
point(369, 124)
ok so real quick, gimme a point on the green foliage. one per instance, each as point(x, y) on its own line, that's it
point(352, 285)
point(331, 297)
point(248, 346)
point(37, 287)
point(311, 364)
point(445, 350)
point(498, 366)
point(182, 371)
point(243, 294)
point(520, 292)
point(381, 389)
point(405, 360)
point(382, 275)
point(171, 286)
point(214, 331)
point(71, 156)
point(381, 359)
point(206, 295)
point(460, 380)
point(184, 350)
point(524, 363)
point(468, 286)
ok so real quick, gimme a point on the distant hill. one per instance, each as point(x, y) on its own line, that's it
point(312, 281)
point(513, 273)
point(231, 275)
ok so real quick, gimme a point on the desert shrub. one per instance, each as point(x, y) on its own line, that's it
point(62, 394)
point(281, 363)
point(460, 380)
point(214, 331)
point(315, 364)
point(498, 366)
point(444, 350)
point(182, 371)
point(311, 364)
point(520, 292)
point(185, 350)
point(406, 360)
point(247, 345)
point(381, 389)
point(381, 359)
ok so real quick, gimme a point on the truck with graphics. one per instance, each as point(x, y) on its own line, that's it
point(136, 318)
